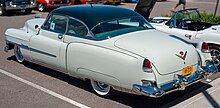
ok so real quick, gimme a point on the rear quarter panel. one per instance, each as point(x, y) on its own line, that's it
point(105, 65)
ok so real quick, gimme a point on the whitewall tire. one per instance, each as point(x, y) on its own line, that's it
point(2, 11)
point(215, 53)
point(18, 54)
point(101, 89)
point(41, 7)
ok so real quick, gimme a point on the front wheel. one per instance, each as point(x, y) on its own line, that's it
point(2, 11)
point(101, 89)
point(41, 7)
point(18, 54)
point(215, 53)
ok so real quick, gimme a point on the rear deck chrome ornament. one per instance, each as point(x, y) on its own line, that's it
point(182, 55)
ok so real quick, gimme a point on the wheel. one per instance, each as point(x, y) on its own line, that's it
point(28, 11)
point(101, 89)
point(215, 53)
point(18, 54)
point(41, 7)
point(2, 11)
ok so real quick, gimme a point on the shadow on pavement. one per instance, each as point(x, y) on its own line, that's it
point(131, 100)
point(14, 13)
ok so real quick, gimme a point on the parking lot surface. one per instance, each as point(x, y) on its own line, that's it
point(34, 86)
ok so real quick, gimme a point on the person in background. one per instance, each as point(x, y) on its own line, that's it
point(183, 2)
point(144, 7)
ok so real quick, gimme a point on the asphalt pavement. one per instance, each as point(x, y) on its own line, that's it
point(33, 86)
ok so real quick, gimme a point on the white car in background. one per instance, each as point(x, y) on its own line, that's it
point(187, 24)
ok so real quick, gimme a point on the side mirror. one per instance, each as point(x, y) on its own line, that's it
point(37, 28)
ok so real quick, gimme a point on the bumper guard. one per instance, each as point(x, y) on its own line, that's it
point(179, 83)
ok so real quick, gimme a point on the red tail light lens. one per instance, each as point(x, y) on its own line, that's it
point(205, 47)
point(147, 66)
point(147, 63)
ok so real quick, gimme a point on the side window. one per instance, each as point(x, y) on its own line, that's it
point(76, 28)
point(56, 23)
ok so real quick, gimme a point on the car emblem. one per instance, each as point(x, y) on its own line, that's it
point(182, 55)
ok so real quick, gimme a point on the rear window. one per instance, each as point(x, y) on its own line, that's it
point(109, 29)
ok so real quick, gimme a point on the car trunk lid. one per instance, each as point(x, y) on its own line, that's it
point(168, 53)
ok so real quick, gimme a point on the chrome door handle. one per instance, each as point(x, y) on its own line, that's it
point(188, 36)
point(60, 36)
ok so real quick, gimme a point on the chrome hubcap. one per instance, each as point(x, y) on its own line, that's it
point(18, 54)
point(215, 56)
point(102, 86)
point(40, 7)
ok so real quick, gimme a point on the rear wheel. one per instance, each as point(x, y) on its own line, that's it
point(18, 54)
point(101, 89)
point(215, 53)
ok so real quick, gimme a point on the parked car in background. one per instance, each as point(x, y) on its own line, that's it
point(115, 48)
point(135, 1)
point(17, 5)
point(43, 5)
point(187, 23)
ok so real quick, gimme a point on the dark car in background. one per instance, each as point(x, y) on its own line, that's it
point(17, 5)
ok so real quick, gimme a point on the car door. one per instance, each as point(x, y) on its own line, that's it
point(77, 35)
point(180, 32)
point(46, 46)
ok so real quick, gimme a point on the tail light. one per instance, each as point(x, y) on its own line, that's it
point(147, 67)
point(205, 47)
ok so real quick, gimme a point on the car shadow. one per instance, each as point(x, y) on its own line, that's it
point(17, 13)
point(131, 100)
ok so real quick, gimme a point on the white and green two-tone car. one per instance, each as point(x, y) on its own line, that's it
point(115, 48)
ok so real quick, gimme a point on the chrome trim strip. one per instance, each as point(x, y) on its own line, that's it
point(32, 49)
point(42, 52)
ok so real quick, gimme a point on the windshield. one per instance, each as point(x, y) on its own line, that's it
point(188, 15)
point(184, 15)
point(109, 29)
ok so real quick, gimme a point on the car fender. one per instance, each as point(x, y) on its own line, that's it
point(97, 76)
point(106, 62)
point(21, 38)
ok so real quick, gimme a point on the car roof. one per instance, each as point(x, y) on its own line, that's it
point(93, 14)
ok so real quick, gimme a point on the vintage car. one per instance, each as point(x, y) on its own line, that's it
point(187, 23)
point(17, 5)
point(114, 51)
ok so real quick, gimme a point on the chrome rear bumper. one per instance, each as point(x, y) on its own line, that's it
point(179, 83)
